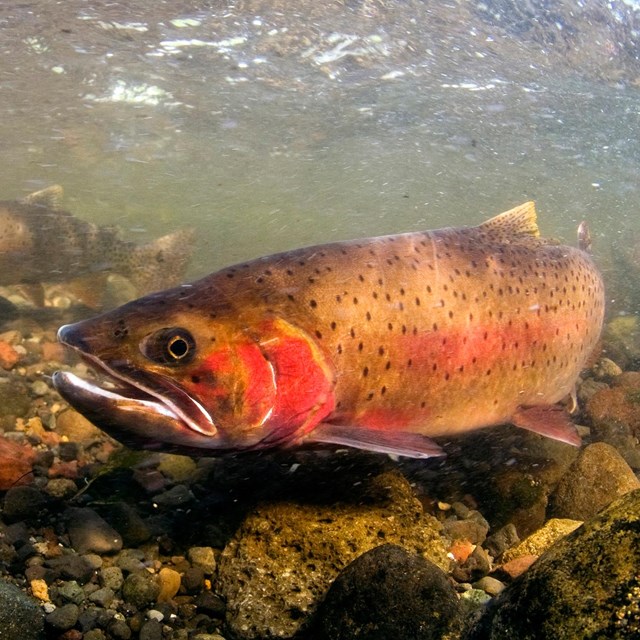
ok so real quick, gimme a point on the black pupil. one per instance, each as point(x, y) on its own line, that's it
point(178, 347)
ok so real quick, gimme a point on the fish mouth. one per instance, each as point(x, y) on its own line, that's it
point(134, 406)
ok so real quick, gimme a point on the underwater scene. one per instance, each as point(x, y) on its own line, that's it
point(320, 320)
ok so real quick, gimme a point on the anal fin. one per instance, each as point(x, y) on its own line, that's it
point(400, 443)
point(551, 421)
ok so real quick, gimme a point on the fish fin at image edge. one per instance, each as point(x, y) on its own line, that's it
point(410, 445)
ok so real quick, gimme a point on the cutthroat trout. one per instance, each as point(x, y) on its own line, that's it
point(377, 344)
point(41, 242)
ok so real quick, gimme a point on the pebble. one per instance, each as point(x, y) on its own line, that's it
point(130, 560)
point(140, 589)
point(203, 557)
point(39, 589)
point(23, 503)
point(193, 579)
point(64, 617)
point(174, 497)
point(91, 533)
point(40, 388)
point(169, 581)
point(111, 577)
point(61, 488)
point(76, 427)
point(151, 630)
point(489, 585)
point(94, 634)
point(177, 468)
point(477, 565)
point(119, 630)
point(127, 521)
point(503, 539)
point(9, 357)
point(102, 597)
point(71, 567)
point(71, 591)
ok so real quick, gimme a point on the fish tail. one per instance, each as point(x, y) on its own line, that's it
point(161, 263)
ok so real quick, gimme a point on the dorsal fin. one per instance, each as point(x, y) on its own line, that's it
point(513, 224)
point(50, 197)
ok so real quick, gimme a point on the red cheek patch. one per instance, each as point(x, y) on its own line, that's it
point(304, 381)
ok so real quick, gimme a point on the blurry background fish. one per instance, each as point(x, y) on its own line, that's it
point(41, 243)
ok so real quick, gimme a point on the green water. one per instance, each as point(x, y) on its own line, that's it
point(268, 129)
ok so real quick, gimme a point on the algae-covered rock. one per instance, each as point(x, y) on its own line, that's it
point(586, 585)
point(539, 541)
point(283, 558)
point(598, 476)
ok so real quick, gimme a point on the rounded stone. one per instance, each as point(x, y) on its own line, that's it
point(202, 557)
point(111, 577)
point(598, 476)
point(389, 593)
point(140, 589)
point(64, 617)
point(23, 503)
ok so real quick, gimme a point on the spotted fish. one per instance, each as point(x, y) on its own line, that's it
point(41, 243)
point(378, 344)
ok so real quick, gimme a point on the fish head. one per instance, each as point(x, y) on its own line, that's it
point(177, 379)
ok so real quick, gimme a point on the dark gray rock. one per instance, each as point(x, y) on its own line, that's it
point(63, 618)
point(388, 593)
point(127, 521)
point(584, 586)
point(71, 591)
point(90, 533)
point(21, 617)
point(71, 567)
point(151, 630)
point(23, 503)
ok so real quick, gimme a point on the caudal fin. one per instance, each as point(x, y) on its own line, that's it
point(162, 263)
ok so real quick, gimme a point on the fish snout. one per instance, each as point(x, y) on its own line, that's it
point(71, 335)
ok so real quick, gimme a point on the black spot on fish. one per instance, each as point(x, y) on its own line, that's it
point(365, 372)
point(313, 304)
point(333, 326)
point(318, 335)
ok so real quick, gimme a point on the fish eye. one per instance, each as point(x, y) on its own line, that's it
point(172, 345)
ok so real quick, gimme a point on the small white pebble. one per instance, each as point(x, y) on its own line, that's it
point(154, 614)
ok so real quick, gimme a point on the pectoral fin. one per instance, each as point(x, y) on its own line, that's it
point(411, 445)
point(548, 420)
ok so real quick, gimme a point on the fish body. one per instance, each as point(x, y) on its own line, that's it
point(42, 243)
point(378, 343)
